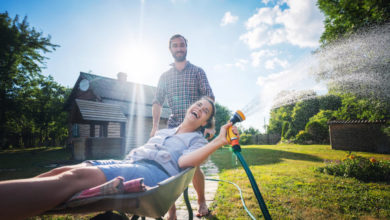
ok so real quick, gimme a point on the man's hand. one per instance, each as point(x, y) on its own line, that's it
point(153, 132)
point(209, 133)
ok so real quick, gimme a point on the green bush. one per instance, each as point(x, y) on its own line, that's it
point(291, 132)
point(246, 139)
point(361, 168)
point(329, 102)
point(285, 126)
point(318, 131)
point(303, 138)
point(301, 114)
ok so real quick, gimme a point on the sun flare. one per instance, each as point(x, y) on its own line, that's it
point(139, 62)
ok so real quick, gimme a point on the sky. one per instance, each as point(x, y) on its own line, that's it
point(250, 50)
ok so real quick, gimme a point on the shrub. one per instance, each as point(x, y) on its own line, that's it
point(291, 132)
point(285, 127)
point(318, 131)
point(303, 138)
point(361, 168)
point(246, 139)
point(329, 102)
point(301, 114)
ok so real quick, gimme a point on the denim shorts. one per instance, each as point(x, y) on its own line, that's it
point(130, 170)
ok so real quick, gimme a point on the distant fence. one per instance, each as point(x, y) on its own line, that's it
point(265, 139)
point(359, 135)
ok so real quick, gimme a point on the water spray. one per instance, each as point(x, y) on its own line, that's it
point(233, 140)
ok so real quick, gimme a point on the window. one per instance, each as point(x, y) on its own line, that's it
point(75, 130)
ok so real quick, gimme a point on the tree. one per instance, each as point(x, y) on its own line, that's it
point(317, 126)
point(252, 131)
point(279, 119)
point(329, 102)
point(357, 108)
point(22, 52)
point(222, 116)
point(50, 117)
point(343, 17)
point(300, 116)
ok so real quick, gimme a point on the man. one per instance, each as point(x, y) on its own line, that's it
point(182, 85)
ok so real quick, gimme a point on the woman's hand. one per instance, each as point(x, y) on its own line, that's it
point(195, 158)
point(222, 140)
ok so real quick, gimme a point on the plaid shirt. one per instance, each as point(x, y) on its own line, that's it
point(182, 89)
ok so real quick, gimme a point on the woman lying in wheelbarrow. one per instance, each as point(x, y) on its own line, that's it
point(153, 161)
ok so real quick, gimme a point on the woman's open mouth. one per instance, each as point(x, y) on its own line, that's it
point(195, 114)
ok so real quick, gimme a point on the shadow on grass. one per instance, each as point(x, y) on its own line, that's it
point(24, 163)
point(224, 158)
point(33, 157)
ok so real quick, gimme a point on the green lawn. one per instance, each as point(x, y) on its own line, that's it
point(23, 163)
point(285, 174)
point(291, 187)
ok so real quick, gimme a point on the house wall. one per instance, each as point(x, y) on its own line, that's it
point(84, 130)
point(79, 148)
point(97, 148)
point(114, 129)
point(137, 133)
point(359, 137)
point(103, 148)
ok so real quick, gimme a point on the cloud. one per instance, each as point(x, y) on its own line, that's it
point(301, 25)
point(265, 16)
point(266, 1)
point(297, 78)
point(228, 18)
point(257, 56)
point(257, 37)
point(240, 64)
point(270, 64)
point(278, 2)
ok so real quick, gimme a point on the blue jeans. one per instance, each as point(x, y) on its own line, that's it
point(130, 170)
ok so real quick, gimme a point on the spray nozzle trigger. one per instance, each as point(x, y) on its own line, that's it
point(230, 136)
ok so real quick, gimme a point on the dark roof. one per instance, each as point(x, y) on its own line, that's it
point(109, 88)
point(137, 109)
point(122, 93)
point(383, 121)
point(99, 111)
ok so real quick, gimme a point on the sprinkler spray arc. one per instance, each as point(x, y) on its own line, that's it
point(234, 141)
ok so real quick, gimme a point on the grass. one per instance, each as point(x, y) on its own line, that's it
point(24, 163)
point(285, 174)
point(291, 187)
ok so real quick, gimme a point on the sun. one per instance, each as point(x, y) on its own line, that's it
point(138, 60)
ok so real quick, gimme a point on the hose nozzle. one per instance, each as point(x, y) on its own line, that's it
point(237, 117)
point(231, 137)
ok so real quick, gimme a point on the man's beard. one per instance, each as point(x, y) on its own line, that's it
point(180, 58)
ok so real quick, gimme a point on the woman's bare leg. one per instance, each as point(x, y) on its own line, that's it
point(29, 197)
point(199, 184)
point(171, 215)
point(59, 170)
